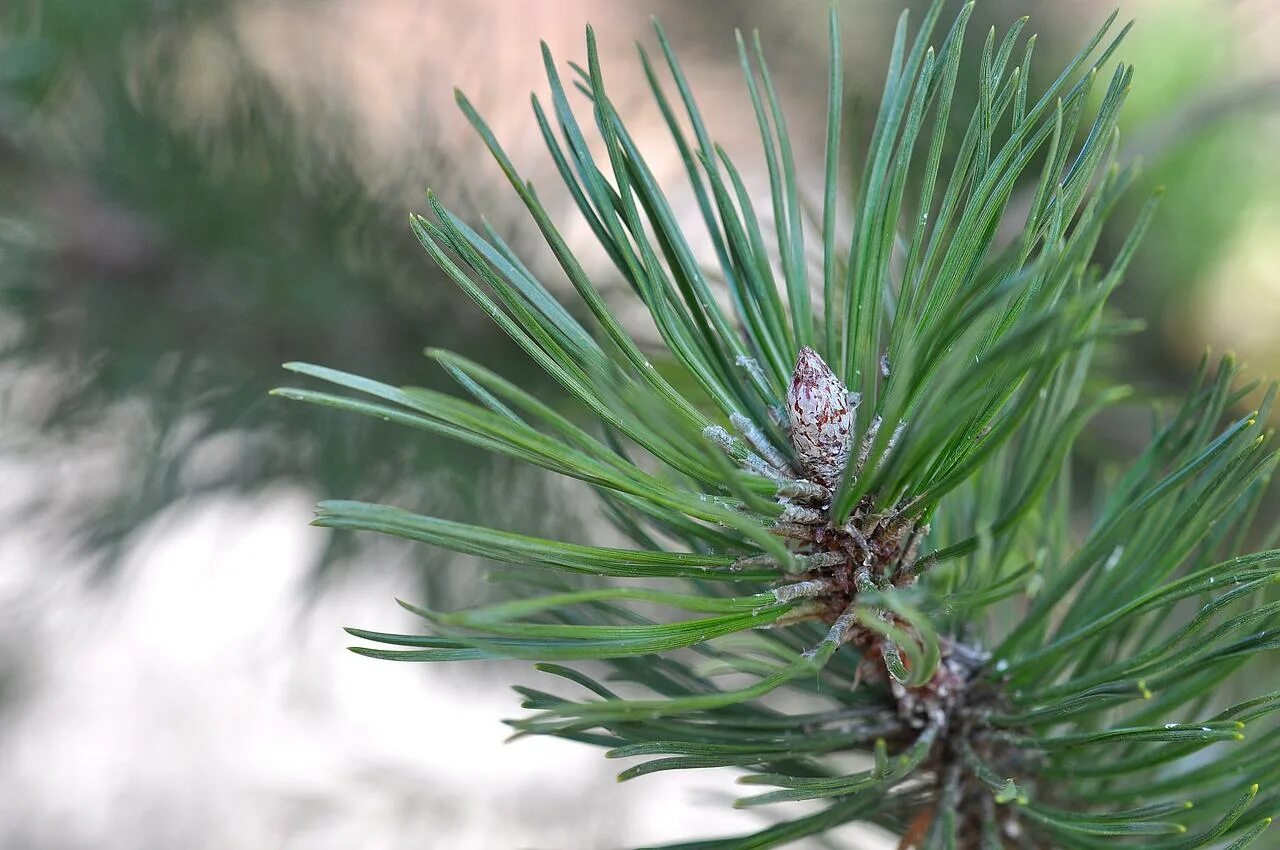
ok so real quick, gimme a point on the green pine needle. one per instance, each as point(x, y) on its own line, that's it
point(856, 487)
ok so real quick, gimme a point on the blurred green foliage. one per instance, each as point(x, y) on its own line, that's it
point(1198, 118)
point(175, 270)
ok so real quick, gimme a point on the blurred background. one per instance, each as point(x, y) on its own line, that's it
point(195, 191)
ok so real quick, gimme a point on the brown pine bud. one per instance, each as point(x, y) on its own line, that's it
point(821, 419)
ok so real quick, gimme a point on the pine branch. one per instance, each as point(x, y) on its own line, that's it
point(858, 488)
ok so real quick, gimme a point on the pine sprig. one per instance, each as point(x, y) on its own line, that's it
point(853, 476)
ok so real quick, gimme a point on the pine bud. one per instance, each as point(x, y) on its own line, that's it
point(821, 419)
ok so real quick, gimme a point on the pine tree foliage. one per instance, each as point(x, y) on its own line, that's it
point(848, 495)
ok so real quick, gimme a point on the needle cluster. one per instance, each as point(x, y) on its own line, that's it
point(848, 474)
